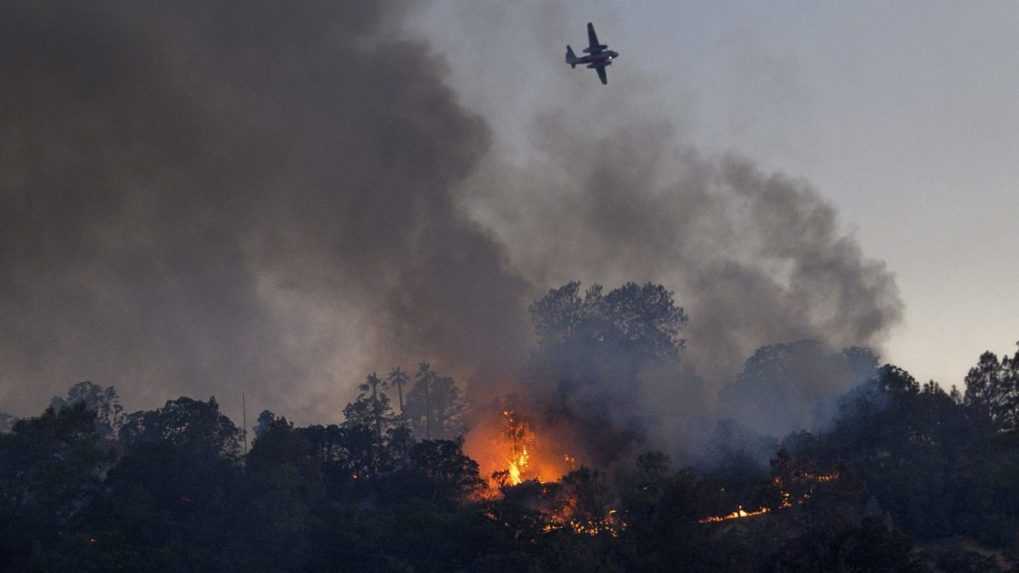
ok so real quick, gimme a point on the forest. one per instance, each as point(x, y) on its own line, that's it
point(890, 474)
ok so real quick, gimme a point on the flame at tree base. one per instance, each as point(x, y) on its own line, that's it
point(518, 434)
point(510, 451)
point(529, 467)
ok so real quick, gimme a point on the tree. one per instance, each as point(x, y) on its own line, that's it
point(398, 379)
point(7, 422)
point(367, 419)
point(51, 468)
point(187, 424)
point(605, 341)
point(442, 467)
point(840, 546)
point(434, 405)
point(644, 488)
point(795, 386)
point(168, 504)
point(371, 408)
point(103, 401)
point(267, 421)
point(276, 443)
point(641, 319)
point(992, 390)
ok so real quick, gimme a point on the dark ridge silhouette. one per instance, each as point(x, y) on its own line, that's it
point(908, 478)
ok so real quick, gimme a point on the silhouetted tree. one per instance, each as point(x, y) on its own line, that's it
point(434, 405)
point(169, 503)
point(449, 473)
point(642, 320)
point(103, 401)
point(266, 421)
point(398, 379)
point(603, 342)
point(184, 423)
point(7, 422)
point(51, 468)
point(992, 390)
point(794, 386)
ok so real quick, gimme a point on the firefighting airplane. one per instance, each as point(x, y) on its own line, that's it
point(599, 56)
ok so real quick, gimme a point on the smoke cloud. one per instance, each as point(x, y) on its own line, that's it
point(212, 197)
point(280, 197)
point(755, 258)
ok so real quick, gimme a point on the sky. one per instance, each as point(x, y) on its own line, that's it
point(903, 115)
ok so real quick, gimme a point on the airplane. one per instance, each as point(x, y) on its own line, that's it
point(598, 57)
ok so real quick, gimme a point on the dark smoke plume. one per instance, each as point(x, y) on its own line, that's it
point(278, 197)
point(208, 197)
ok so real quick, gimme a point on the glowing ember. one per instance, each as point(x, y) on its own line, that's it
point(823, 478)
point(786, 499)
point(740, 513)
point(610, 524)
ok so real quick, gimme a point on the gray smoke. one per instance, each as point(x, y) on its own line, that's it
point(755, 258)
point(216, 197)
point(280, 197)
point(611, 183)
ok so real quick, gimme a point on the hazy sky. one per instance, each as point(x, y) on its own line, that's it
point(904, 115)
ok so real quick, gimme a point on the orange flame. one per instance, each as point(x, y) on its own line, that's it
point(517, 432)
point(786, 499)
point(740, 513)
point(510, 451)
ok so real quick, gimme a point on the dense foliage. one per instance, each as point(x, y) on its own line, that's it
point(907, 478)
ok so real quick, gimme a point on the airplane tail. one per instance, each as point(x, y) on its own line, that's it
point(571, 58)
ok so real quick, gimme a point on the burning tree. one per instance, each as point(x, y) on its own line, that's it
point(513, 447)
point(519, 437)
point(579, 398)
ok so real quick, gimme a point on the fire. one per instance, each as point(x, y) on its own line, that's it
point(740, 513)
point(517, 465)
point(610, 524)
point(510, 450)
point(519, 459)
point(513, 450)
point(786, 499)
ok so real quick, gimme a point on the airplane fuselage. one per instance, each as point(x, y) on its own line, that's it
point(603, 58)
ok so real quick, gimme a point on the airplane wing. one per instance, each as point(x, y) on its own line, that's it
point(602, 75)
point(593, 46)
